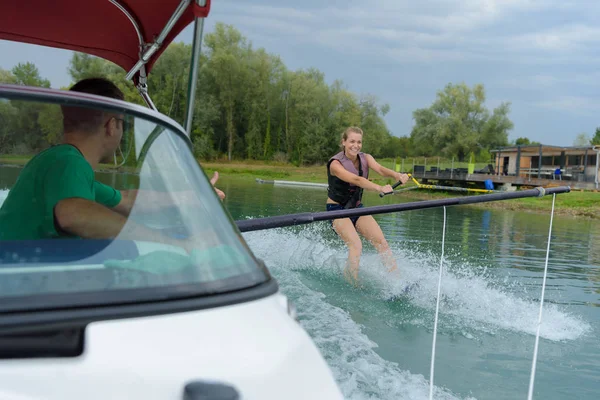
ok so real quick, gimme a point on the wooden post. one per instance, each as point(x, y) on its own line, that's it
point(518, 161)
point(540, 163)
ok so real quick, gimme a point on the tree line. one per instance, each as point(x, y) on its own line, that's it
point(249, 105)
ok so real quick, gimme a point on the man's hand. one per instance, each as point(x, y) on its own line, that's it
point(214, 180)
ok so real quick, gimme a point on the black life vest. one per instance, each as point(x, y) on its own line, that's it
point(348, 195)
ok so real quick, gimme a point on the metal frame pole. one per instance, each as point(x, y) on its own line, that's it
point(193, 78)
point(150, 49)
point(280, 221)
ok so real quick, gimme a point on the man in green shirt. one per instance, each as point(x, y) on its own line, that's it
point(56, 194)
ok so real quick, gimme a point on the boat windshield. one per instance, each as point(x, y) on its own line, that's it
point(178, 240)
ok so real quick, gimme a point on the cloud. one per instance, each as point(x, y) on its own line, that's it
point(570, 38)
point(538, 54)
point(266, 11)
point(577, 105)
point(282, 27)
point(437, 30)
point(543, 80)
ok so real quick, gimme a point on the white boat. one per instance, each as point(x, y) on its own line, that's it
point(137, 319)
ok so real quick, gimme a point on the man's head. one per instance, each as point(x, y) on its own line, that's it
point(87, 122)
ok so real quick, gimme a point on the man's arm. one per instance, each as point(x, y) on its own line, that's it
point(153, 200)
point(90, 220)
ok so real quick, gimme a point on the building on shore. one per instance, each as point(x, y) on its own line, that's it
point(579, 164)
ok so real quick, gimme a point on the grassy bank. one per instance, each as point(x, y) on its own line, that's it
point(578, 203)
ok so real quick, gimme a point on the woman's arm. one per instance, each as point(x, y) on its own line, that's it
point(339, 171)
point(383, 171)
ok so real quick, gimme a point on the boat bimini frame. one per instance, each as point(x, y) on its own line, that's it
point(139, 33)
point(201, 9)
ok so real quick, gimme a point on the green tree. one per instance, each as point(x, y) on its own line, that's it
point(7, 77)
point(168, 81)
point(596, 138)
point(27, 132)
point(582, 140)
point(458, 123)
point(376, 134)
point(248, 104)
point(28, 74)
point(82, 66)
point(8, 115)
point(227, 53)
point(50, 121)
point(523, 141)
point(397, 147)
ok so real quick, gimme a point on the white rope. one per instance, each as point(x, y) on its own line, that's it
point(437, 309)
point(537, 335)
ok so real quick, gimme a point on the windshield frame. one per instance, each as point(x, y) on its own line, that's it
point(159, 299)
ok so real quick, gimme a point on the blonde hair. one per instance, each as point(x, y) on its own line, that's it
point(350, 129)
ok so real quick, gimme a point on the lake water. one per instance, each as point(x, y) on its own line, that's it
point(491, 285)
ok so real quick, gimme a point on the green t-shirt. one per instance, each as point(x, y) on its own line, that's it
point(57, 173)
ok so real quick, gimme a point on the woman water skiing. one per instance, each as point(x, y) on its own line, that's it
point(347, 175)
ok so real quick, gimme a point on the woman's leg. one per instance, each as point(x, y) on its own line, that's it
point(347, 232)
point(369, 228)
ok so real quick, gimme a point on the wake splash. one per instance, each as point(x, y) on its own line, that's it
point(469, 299)
point(472, 303)
point(3, 195)
point(360, 372)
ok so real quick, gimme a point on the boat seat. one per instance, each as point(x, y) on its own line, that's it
point(72, 251)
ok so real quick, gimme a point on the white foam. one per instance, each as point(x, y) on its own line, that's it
point(358, 369)
point(3, 195)
point(471, 300)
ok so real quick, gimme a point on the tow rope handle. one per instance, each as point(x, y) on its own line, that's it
point(393, 187)
point(400, 183)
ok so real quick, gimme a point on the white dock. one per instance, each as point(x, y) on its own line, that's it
point(292, 183)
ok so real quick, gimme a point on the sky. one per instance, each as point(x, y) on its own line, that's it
point(539, 55)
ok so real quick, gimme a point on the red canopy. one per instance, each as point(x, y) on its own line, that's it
point(95, 27)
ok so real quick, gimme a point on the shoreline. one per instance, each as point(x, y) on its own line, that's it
point(578, 204)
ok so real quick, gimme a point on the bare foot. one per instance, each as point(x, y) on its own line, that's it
point(350, 277)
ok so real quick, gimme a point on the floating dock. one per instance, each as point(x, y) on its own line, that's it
point(292, 183)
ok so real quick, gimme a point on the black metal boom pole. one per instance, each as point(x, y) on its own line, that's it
point(280, 221)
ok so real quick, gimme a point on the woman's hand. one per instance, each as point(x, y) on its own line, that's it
point(401, 177)
point(386, 189)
